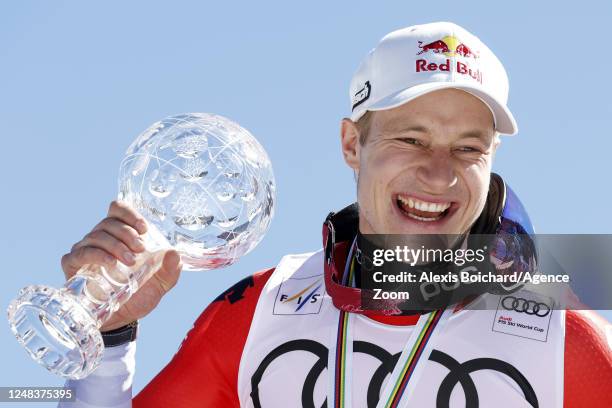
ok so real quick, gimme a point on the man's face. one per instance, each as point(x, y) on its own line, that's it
point(425, 165)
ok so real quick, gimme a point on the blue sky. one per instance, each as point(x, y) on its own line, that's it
point(79, 81)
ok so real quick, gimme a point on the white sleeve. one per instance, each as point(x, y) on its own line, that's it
point(110, 385)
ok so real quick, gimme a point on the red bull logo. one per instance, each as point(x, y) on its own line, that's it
point(436, 46)
point(449, 46)
point(423, 65)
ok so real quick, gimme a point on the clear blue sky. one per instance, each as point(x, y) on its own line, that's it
point(79, 80)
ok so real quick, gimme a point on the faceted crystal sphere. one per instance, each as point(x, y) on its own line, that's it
point(205, 183)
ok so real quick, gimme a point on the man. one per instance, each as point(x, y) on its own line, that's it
point(427, 105)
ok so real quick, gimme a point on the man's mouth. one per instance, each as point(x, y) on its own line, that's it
point(422, 210)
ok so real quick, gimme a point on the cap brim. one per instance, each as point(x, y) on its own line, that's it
point(502, 117)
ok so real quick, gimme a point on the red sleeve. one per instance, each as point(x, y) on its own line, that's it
point(588, 361)
point(204, 371)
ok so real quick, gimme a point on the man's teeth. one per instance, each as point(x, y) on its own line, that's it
point(423, 205)
point(416, 217)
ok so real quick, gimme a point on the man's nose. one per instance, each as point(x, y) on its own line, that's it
point(436, 173)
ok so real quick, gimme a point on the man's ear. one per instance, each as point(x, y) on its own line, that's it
point(496, 143)
point(349, 140)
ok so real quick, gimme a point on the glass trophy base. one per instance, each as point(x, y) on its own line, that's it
point(56, 330)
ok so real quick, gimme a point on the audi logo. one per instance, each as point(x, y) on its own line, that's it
point(521, 305)
point(459, 374)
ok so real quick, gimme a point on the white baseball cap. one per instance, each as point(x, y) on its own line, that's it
point(416, 60)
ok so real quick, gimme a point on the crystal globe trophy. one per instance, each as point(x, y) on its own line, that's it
point(206, 188)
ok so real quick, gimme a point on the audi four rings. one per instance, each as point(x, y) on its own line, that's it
point(521, 305)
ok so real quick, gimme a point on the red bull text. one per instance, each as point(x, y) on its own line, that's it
point(422, 65)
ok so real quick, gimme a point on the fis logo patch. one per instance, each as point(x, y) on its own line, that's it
point(300, 296)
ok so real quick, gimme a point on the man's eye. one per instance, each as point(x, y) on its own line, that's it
point(468, 149)
point(410, 140)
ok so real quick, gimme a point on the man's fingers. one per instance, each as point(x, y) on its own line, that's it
point(169, 272)
point(128, 215)
point(103, 240)
point(74, 260)
point(123, 232)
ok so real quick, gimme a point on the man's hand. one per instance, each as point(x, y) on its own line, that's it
point(117, 237)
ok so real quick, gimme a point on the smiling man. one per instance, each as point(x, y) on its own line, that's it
point(423, 166)
point(428, 104)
